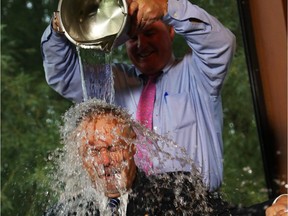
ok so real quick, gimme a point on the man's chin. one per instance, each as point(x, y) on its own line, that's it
point(149, 69)
point(111, 189)
point(112, 194)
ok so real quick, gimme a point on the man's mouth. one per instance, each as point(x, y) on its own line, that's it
point(144, 54)
point(109, 173)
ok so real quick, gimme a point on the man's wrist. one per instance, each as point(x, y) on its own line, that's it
point(56, 23)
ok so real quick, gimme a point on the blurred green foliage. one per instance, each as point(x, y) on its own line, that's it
point(31, 111)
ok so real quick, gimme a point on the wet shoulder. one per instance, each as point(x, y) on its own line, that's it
point(73, 206)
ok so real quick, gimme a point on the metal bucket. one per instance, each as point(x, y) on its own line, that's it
point(95, 24)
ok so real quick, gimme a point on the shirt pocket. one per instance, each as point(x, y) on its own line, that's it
point(178, 112)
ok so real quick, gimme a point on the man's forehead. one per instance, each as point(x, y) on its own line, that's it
point(101, 121)
point(107, 128)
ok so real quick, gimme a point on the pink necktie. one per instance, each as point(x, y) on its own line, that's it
point(145, 116)
point(146, 104)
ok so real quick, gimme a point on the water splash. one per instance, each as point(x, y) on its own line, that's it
point(79, 193)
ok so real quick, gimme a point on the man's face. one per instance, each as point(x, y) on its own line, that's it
point(151, 49)
point(106, 155)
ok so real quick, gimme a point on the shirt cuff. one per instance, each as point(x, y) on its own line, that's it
point(58, 37)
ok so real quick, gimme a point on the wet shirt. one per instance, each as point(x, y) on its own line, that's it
point(188, 106)
point(158, 195)
point(154, 195)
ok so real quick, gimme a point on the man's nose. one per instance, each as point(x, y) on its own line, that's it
point(141, 40)
point(105, 157)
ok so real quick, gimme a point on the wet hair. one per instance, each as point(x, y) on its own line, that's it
point(91, 109)
point(70, 177)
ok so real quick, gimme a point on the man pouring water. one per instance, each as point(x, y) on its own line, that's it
point(185, 93)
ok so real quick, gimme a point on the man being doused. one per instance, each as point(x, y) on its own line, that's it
point(101, 139)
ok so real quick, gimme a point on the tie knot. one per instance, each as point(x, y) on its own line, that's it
point(148, 79)
point(114, 204)
point(153, 78)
